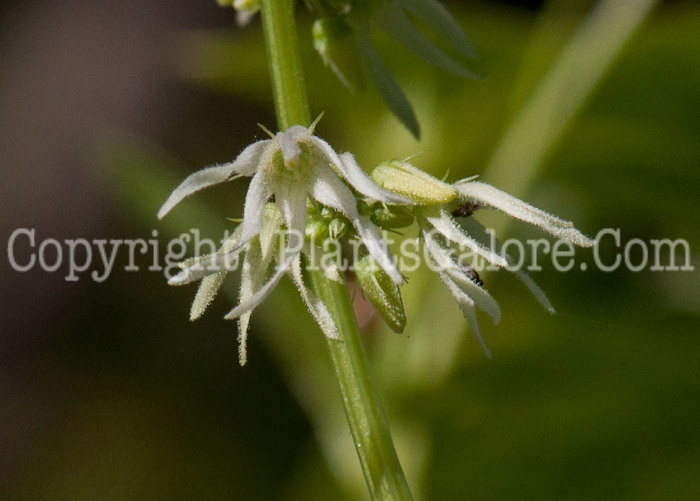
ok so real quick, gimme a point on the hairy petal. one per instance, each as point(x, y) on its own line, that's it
point(486, 194)
point(466, 304)
point(317, 308)
point(447, 266)
point(449, 229)
point(292, 204)
point(245, 164)
point(330, 191)
point(477, 229)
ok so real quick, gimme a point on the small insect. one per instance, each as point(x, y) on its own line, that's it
point(472, 274)
point(465, 210)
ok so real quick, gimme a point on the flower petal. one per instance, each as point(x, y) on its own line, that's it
point(477, 229)
point(356, 177)
point(288, 142)
point(245, 164)
point(467, 306)
point(291, 201)
point(330, 191)
point(317, 308)
point(449, 229)
point(254, 208)
point(206, 293)
point(493, 197)
point(446, 265)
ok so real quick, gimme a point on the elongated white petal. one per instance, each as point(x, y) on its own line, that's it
point(330, 191)
point(360, 180)
point(446, 265)
point(313, 303)
point(206, 293)
point(207, 265)
point(245, 164)
point(486, 194)
point(254, 209)
point(466, 304)
point(252, 277)
point(291, 201)
point(253, 301)
point(449, 229)
point(477, 229)
point(356, 177)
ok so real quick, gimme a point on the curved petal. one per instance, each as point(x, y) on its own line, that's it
point(467, 306)
point(254, 208)
point(477, 229)
point(288, 142)
point(245, 164)
point(359, 180)
point(447, 266)
point(486, 194)
point(317, 308)
point(449, 229)
point(206, 293)
point(291, 201)
point(330, 191)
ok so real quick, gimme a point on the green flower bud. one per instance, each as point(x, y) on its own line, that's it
point(337, 228)
point(383, 293)
point(391, 217)
point(334, 42)
point(405, 179)
point(316, 231)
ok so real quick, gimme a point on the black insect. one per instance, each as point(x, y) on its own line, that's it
point(472, 274)
point(465, 210)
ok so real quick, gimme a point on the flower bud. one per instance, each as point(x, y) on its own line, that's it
point(334, 42)
point(382, 292)
point(337, 228)
point(405, 179)
point(391, 217)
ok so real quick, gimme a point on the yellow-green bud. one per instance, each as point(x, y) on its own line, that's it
point(405, 179)
point(381, 291)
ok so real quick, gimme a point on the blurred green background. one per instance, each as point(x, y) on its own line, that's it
point(108, 392)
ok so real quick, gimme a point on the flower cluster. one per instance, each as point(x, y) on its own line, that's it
point(306, 192)
point(292, 168)
point(437, 206)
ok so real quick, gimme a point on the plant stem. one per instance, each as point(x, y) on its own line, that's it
point(380, 464)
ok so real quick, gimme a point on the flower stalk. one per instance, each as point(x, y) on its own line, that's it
point(375, 449)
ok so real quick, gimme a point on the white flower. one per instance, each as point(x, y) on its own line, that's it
point(290, 166)
point(440, 203)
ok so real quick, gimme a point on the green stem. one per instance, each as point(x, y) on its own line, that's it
point(380, 464)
